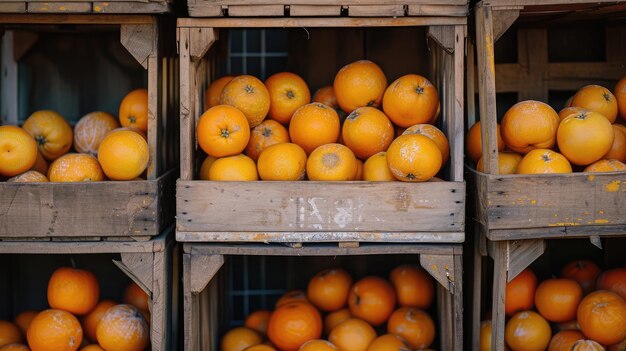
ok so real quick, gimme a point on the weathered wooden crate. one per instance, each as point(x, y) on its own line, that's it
point(514, 214)
point(153, 265)
point(321, 211)
point(99, 209)
point(86, 6)
point(301, 8)
point(207, 281)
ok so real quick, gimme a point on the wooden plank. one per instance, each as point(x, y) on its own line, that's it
point(187, 103)
point(532, 55)
point(85, 209)
point(440, 267)
point(486, 84)
point(60, 19)
point(320, 206)
point(376, 10)
point(132, 7)
point(437, 10)
point(59, 7)
point(318, 22)
point(457, 301)
point(331, 2)
point(563, 232)
point(9, 83)
point(476, 292)
point(320, 250)
point(256, 10)
point(498, 295)
point(16, 7)
point(314, 10)
point(455, 127)
point(335, 236)
point(470, 86)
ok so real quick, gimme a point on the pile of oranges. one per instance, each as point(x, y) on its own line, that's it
point(387, 134)
point(586, 135)
point(104, 146)
point(77, 318)
point(587, 309)
point(348, 314)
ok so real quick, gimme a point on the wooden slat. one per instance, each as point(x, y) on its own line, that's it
point(319, 206)
point(85, 209)
point(85, 6)
point(335, 236)
point(319, 249)
point(314, 10)
point(376, 10)
point(59, 19)
point(318, 22)
point(59, 7)
point(437, 10)
point(256, 10)
point(331, 2)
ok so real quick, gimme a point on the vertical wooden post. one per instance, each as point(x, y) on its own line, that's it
point(9, 85)
point(470, 87)
point(191, 305)
point(487, 87)
point(499, 287)
point(457, 136)
point(457, 309)
point(476, 290)
point(187, 107)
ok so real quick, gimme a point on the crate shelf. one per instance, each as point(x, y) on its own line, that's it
point(87, 6)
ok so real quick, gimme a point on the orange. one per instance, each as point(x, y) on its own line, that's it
point(587, 345)
point(372, 299)
point(602, 317)
point(29, 177)
point(214, 91)
point(288, 92)
point(293, 324)
point(51, 132)
point(620, 96)
point(328, 290)
point(234, 168)
point(331, 162)
point(134, 110)
point(606, 166)
point(250, 96)
point(557, 299)
point(260, 347)
point(266, 134)
point(18, 151)
point(206, 167)
point(239, 339)
point(352, 335)
point(123, 155)
point(326, 95)
point(314, 125)
point(411, 99)
point(413, 285)
point(414, 325)
point(375, 169)
point(75, 168)
point(527, 331)
point(570, 111)
point(41, 165)
point(361, 83)
point(91, 320)
point(284, 161)
point(92, 347)
point(618, 148)
point(134, 295)
point(507, 163)
point(565, 340)
point(540, 161)
point(123, 328)
point(333, 319)
point(318, 345)
point(571, 325)
point(520, 292)
point(598, 99)
point(54, 330)
point(585, 137)
point(613, 280)
point(73, 290)
point(9, 333)
point(223, 131)
point(14, 347)
point(618, 347)
point(485, 336)
point(258, 320)
point(473, 142)
point(291, 296)
point(23, 320)
point(585, 272)
point(367, 131)
point(435, 135)
point(414, 158)
point(91, 129)
point(359, 170)
point(389, 342)
point(529, 125)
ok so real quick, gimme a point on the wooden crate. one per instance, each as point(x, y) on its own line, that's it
point(319, 8)
point(206, 278)
point(102, 209)
point(321, 211)
point(87, 6)
point(514, 214)
point(153, 265)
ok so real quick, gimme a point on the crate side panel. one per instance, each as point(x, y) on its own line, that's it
point(315, 206)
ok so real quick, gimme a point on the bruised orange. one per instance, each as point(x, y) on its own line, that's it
point(29, 177)
point(223, 131)
point(602, 317)
point(507, 163)
point(214, 91)
point(598, 99)
point(414, 325)
point(314, 125)
point(372, 299)
point(411, 99)
point(123, 328)
point(529, 125)
point(367, 131)
point(52, 133)
point(234, 168)
point(91, 129)
point(249, 95)
point(361, 83)
point(539, 161)
point(288, 92)
point(375, 169)
point(266, 134)
point(134, 110)
point(436, 135)
point(565, 340)
point(54, 330)
point(414, 158)
point(331, 162)
point(326, 95)
point(285, 161)
point(328, 290)
point(585, 137)
point(473, 142)
point(527, 331)
point(606, 166)
point(293, 324)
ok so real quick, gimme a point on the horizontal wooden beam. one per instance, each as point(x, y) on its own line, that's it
point(318, 22)
point(59, 19)
point(320, 250)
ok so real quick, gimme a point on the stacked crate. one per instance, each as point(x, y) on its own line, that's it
point(516, 214)
point(224, 221)
point(129, 222)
